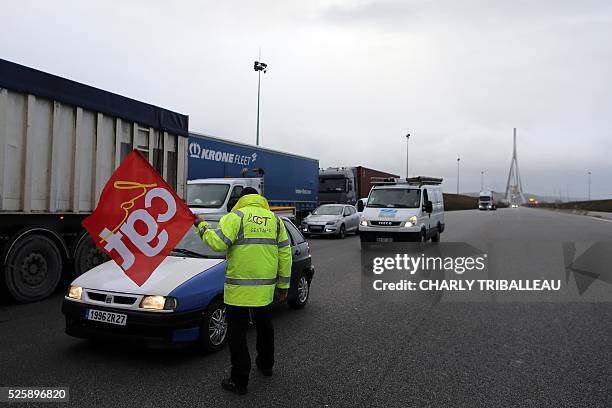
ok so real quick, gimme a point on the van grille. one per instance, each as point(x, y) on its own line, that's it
point(386, 223)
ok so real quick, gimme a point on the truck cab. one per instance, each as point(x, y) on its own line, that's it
point(400, 211)
point(337, 185)
point(218, 195)
point(486, 201)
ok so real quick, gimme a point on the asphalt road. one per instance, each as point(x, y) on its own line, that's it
point(342, 351)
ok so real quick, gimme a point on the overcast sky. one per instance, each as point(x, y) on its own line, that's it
point(347, 79)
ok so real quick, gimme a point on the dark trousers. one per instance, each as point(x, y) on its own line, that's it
point(237, 325)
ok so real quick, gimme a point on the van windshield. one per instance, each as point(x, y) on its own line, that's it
point(394, 198)
point(206, 195)
point(485, 198)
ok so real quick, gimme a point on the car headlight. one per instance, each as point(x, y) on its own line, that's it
point(75, 292)
point(157, 302)
point(411, 221)
point(362, 221)
point(330, 222)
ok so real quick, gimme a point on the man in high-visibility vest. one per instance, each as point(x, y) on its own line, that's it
point(258, 265)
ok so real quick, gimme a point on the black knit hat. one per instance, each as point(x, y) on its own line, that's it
point(248, 190)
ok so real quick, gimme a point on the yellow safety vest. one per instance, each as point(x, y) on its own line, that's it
point(258, 252)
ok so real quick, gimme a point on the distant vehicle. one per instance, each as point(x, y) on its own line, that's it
point(514, 205)
point(412, 210)
point(486, 201)
point(346, 185)
point(218, 170)
point(60, 141)
point(331, 219)
point(182, 302)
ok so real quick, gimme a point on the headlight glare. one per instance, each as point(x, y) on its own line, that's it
point(75, 292)
point(412, 221)
point(156, 302)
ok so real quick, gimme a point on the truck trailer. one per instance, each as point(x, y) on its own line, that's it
point(346, 185)
point(60, 141)
point(219, 169)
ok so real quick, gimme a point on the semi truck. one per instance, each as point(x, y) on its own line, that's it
point(346, 185)
point(219, 169)
point(486, 201)
point(59, 143)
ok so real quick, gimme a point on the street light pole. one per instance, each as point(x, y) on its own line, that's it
point(482, 180)
point(589, 173)
point(407, 140)
point(458, 159)
point(258, 93)
point(259, 66)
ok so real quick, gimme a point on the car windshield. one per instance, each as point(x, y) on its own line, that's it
point(192, 245)
point(206, 195)
point(332, 185)
point(394, 198)
point(328, 210)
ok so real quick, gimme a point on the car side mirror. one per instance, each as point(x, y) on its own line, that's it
point(360, 206)
point(428, 207)
point(231, 203)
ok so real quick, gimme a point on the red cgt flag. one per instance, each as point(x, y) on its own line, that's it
point(139, 218)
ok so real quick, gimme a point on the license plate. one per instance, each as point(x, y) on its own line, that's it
point(316, 228)
point(384, 239)
point(106, 317)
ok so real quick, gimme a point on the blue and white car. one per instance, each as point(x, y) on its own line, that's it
point(181, 302)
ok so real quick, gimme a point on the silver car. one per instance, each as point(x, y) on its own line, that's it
point(331, 219)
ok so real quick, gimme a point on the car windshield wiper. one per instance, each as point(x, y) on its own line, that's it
point(188, 252)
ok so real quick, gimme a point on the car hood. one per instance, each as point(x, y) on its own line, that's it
point(171, 273)
point(322, 218)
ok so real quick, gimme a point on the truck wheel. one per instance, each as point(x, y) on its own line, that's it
point(33, 269)
point(301, 293)
point(213, 332)
point(87, 256)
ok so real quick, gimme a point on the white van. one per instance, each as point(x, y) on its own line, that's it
point(411, 210)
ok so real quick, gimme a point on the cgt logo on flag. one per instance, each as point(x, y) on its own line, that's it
point(139, 218)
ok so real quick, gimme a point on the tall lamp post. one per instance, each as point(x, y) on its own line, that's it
point(458, 159)
point(407, 140)
point(589, 174)
point(259, 66)
point(482, 180)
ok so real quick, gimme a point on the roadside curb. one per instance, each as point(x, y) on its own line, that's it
point(594, 214)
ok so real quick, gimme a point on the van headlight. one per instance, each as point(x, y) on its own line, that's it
point(158, 303)
point(412, 221)
point(363, 222)
point(75, 292)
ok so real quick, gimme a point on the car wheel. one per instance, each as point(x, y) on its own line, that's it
point(301, 293)
point(33, 269)
point(213, 332)
point(342, 232)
